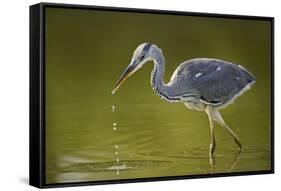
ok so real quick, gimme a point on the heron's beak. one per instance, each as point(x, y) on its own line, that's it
point(127, 73)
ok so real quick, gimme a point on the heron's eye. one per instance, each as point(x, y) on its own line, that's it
point(142, 57)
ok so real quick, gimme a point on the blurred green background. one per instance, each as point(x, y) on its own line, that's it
point(86, 52)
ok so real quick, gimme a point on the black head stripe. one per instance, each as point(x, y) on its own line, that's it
point(146, 47)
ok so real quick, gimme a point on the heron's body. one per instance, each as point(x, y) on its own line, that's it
point(205, 81)
point(203, 84)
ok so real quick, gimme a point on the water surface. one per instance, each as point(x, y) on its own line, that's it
point(87, 139)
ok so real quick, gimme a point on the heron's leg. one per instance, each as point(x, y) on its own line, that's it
point(211, 121)
point(218, 118)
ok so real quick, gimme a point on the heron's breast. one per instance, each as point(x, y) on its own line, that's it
point(195, 104)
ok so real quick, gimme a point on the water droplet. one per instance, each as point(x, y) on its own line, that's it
point(116, 152)
point(116, 146)
point(117, 160)
point(113, 92)
point(114, 128)
point(114, 124)
point(117, 172)
point(113, 108)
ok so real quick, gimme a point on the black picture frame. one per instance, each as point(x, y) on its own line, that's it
point(37, 94)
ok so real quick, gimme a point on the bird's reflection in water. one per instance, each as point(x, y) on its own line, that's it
point(212, 161)
point(235, 160)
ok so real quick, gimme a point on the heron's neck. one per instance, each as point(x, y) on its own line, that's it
point(157, 74)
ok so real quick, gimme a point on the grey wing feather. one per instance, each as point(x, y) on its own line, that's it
point(214, 81)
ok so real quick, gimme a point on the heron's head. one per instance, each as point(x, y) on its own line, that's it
point(142, 54)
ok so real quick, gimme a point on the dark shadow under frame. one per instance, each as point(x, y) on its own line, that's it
point(37, 174)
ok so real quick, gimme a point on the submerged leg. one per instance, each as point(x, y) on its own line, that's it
point(213, 141)
point(218, 118)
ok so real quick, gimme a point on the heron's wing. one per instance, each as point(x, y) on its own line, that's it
point(215, 81)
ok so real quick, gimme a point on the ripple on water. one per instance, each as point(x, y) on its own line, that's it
point(112, 165)
point(118, 167)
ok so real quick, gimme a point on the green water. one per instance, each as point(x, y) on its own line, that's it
point(86, 52)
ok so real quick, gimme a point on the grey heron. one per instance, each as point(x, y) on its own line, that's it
point(203, 84)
